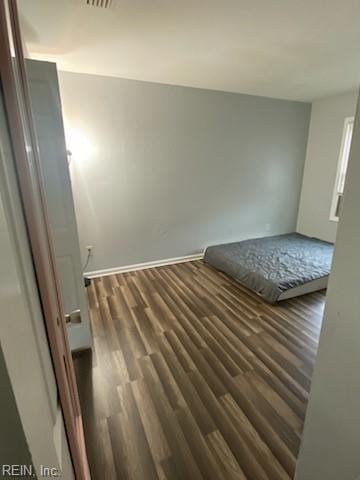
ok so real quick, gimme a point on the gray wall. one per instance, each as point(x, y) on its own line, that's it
point(165, 171)
point(331, 440)
point(322, 157)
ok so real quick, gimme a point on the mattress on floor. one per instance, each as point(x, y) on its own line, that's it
point(275, 267)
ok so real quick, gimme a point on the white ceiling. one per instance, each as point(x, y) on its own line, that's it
point(295, 49)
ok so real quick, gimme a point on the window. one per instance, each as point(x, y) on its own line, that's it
point(342, 168)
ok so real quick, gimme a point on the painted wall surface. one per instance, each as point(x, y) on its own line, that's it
point(330, 446)
point(161, 171)
point(323, 150)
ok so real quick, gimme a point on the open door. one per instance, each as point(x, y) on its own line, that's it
point(14, 87)
point(47, 111)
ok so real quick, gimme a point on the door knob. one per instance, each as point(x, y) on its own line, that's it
point(73, 317)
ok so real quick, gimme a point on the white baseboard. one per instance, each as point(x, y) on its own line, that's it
point(143, 266)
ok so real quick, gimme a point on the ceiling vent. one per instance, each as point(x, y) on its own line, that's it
point(99, 3)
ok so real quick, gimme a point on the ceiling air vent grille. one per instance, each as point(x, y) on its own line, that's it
point(99, 3)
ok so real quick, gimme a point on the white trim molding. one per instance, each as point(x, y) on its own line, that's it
point(344, 155)
point(145, 265)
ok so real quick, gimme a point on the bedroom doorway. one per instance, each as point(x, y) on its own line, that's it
point(24, 184)
point(204, 323)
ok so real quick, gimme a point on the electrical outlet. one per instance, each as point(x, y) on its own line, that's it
point(89, 248)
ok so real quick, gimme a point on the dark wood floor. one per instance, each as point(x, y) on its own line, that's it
point(195, 377)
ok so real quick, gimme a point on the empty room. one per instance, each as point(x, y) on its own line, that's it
point(179, 229)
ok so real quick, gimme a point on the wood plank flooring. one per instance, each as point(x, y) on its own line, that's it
point(194, 377)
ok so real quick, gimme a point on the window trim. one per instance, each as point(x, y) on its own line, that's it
point(334, 201)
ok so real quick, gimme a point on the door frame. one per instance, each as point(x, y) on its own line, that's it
point(26, 155)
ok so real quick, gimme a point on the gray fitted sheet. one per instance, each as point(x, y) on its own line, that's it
point(273, 265)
